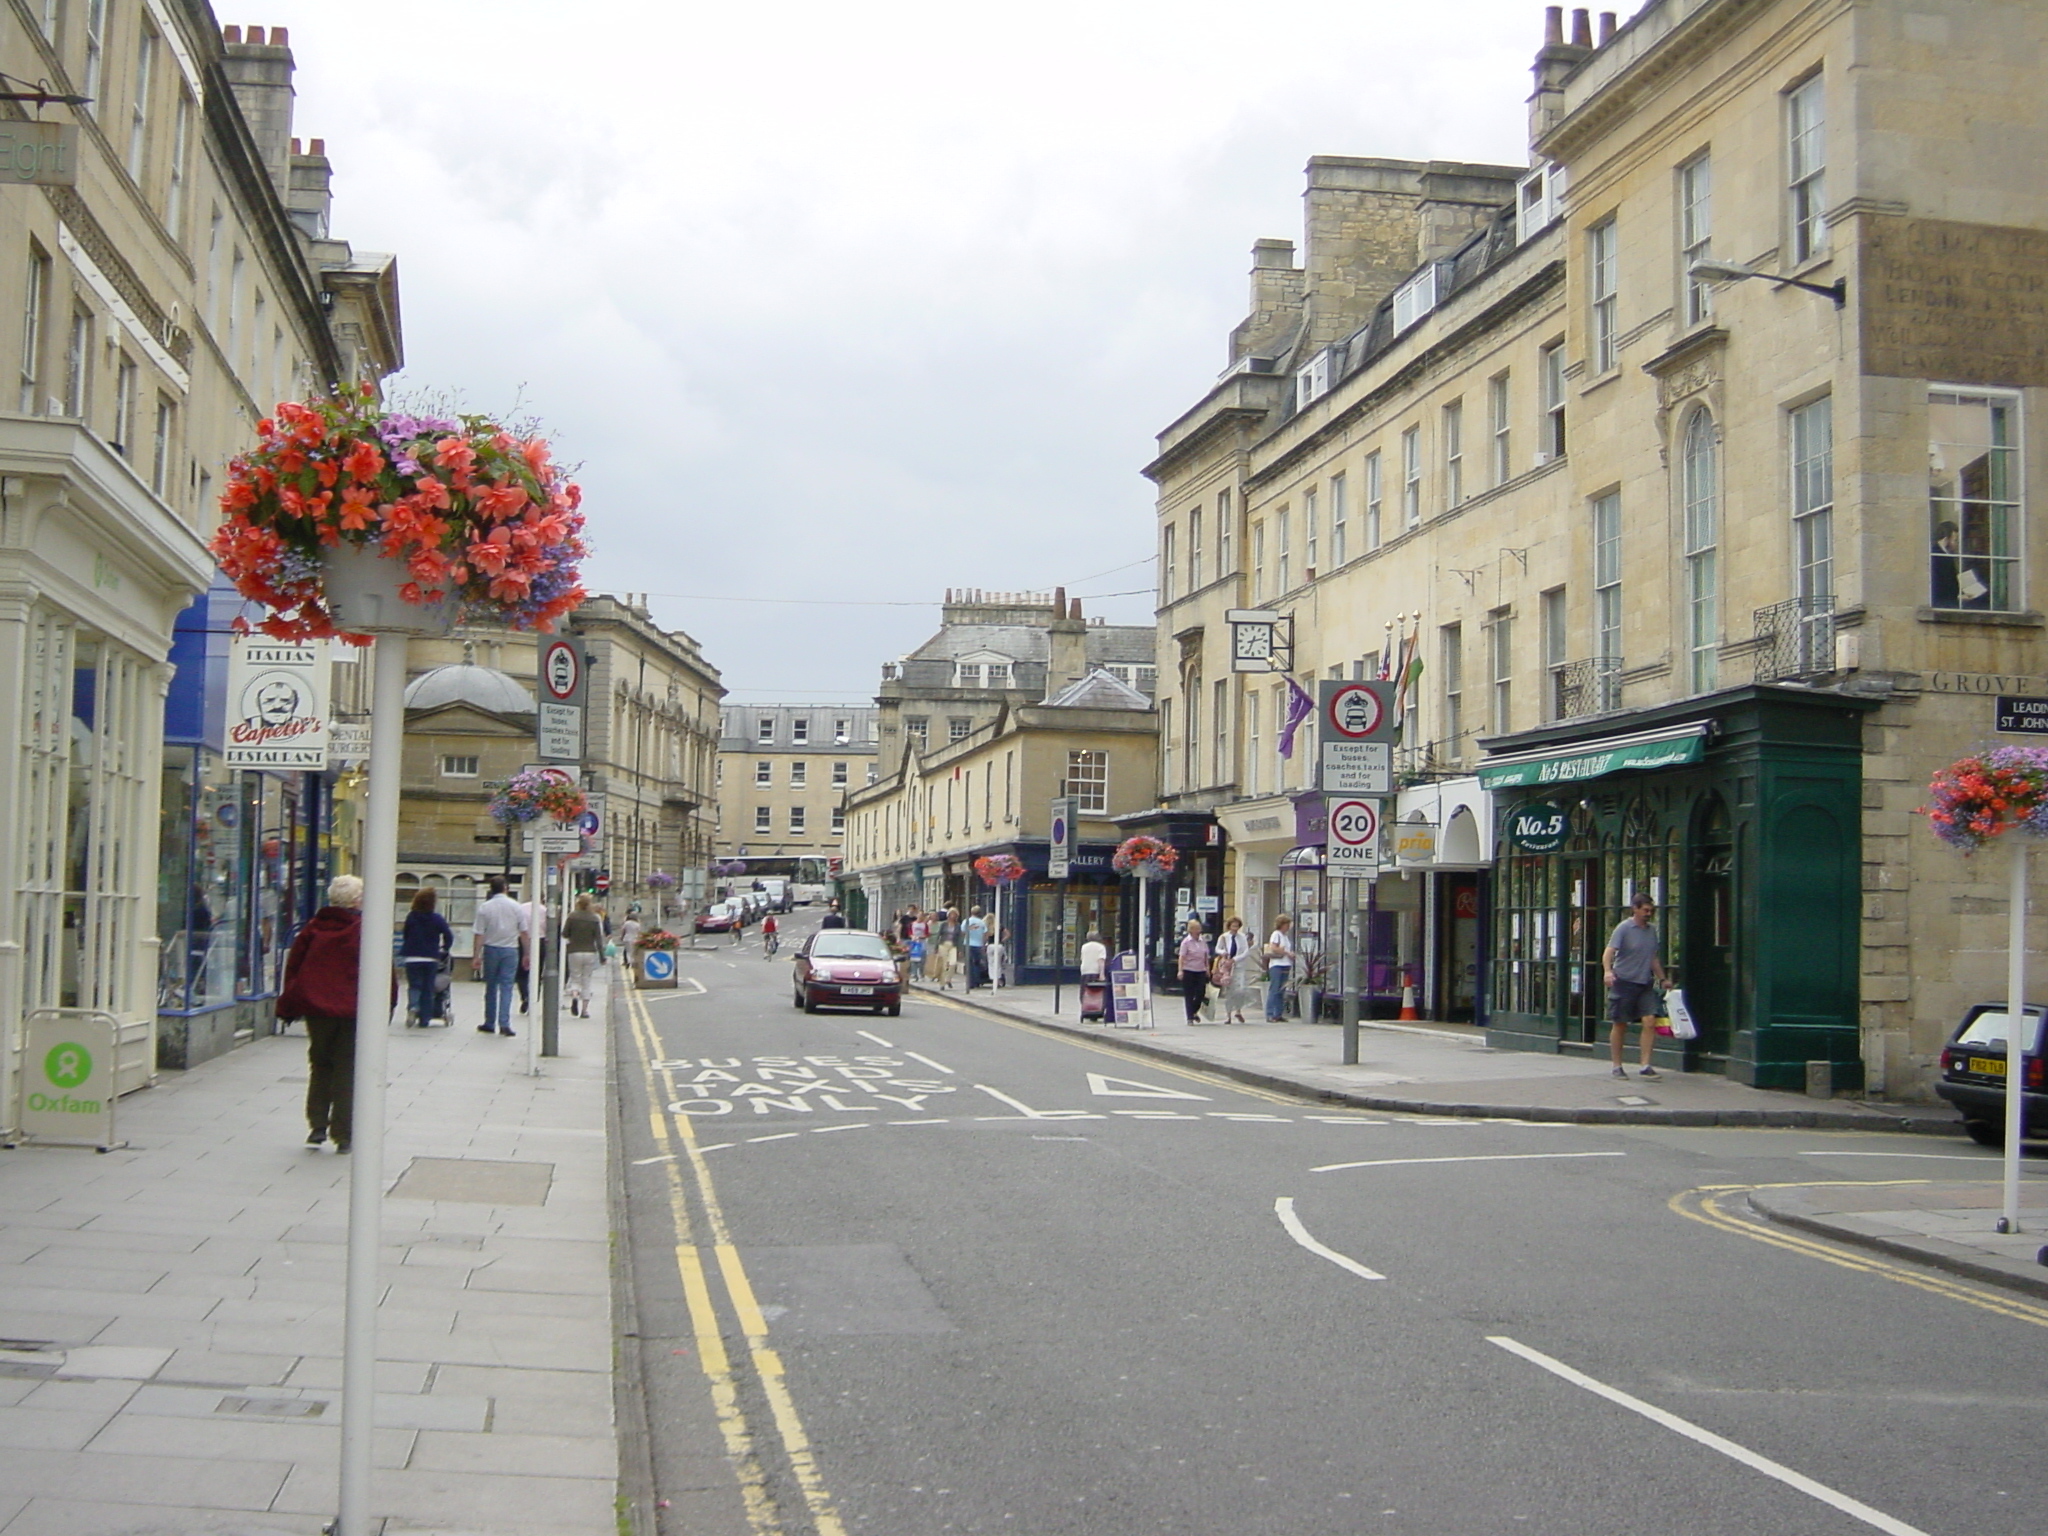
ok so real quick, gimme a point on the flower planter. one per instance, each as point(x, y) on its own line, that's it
point(362, 594)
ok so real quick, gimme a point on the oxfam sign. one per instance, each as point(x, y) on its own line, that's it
point(1538, 827)
point(67, 1090)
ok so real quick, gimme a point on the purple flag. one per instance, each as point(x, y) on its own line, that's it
point(1299, 707)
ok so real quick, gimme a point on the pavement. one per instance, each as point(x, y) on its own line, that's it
point(171, 1311)
point(1435, 1069)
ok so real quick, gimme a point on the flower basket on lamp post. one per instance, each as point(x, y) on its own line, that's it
point(1002, 871)
point(1976, 801)
point(1149, 859)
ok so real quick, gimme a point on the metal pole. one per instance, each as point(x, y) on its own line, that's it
point(1145, 949)
point(551, 990)
point(1349, 1013)
point(537, 927)
point(1059, 946)
point(2015, 1031)
point(366, 1135)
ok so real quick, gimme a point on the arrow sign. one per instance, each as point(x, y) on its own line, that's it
point(1130, 1088)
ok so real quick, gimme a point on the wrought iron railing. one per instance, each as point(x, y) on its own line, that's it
point(1588, 687)
point(1795, 639)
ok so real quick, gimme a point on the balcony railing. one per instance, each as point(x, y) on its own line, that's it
point(1795, 639)
point(1588, 687)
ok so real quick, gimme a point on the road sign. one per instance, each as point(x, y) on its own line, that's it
point(1356, 768)
point(2026, 717)
point(1354, 711)
point(564, 689)
point(1060, 854)
point(555, 841)
point(1353, 848)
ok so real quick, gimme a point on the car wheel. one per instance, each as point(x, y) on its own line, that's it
point(894, 1010)
point(796, 999)
point(1986, 1133)
point(808, 1003)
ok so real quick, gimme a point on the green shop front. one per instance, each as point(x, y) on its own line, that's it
point(1739, 813)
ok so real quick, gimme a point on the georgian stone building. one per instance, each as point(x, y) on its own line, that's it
point(1715, 571)
point(784, 774)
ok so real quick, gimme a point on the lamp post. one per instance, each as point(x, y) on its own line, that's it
point(1709, 270)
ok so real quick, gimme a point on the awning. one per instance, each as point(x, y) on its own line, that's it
point(1667, 748)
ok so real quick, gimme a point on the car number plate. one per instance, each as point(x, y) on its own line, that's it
point(1988, 1066)
point(870, 992)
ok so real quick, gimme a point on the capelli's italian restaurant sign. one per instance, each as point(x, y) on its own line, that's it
point(277, 704)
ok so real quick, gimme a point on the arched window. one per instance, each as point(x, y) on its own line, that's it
point(1700, 487)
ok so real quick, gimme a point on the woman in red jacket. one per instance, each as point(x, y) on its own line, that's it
point(320, 987)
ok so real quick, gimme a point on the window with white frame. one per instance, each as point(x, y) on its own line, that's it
point(764, 818)
point(800, 731)
point(1603, 290)
point(127, 382)
point(799, 774)
point(1451, 653)
point(1169, 749)
point(1700, 481)
point(1311, 532)
point(1415, 298)
point(1813, 504)
point(839, 773)
point(1500, 653)
point(1194, 548)
point(146, 48)
point(1974, 499)
point(174, 185)
point(459, 766)
point(35, 301)
point(1088, 780)
point(1550, 421)
point(95, 53)
point(998, 673)
point(798, 819)
point(764, 773)
point(1500, 427)
point(1226, 527)
point(1411, 478)
point(918, 728)
point(841, 732)
point(1555, 642)
point(1144, 678)
point(1373, 495)
point(764, 728)
point(1607, 593)
point(958, 727)
point(1312, 380)
point(1695, 234)
point(1169, 564)
point(1340, 520)
point(1219, 725)
point(1454, 453)
point(1806, 161)
point(1254, 760)
point(967, 675)
point(1539, 199)
point(1191, 727)
point(161, 436)
point(1259, 559)
point(838, 821)
point(1283, 553)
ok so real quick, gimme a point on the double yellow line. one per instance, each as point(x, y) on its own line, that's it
point(673, 1132)
point(1709, 1205)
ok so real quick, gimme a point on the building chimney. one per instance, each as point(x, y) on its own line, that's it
point(1067, 657)
point(260, 69)
point(1582, 29)
point(307, 199)
point(1607, 27)
point(1555, 61)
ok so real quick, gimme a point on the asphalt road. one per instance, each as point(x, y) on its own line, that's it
point(940, 1273)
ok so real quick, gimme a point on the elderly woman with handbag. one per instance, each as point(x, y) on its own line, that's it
point(1230, 971)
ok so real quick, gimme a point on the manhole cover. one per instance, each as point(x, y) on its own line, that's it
point(475, 1181)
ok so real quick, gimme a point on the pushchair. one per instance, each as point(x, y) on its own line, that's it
point(1094, 999)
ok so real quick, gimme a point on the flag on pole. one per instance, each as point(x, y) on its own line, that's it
point(1299, 707)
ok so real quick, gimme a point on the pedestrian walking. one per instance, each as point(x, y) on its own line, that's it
point(500, 941)
point(834, 918)
point(1194, 968)
point(946, 938)
point(1230, 970)
point(974, 935)
point(920, 945)
point(320, 977)
point(584, 935)
point(427, 943)
point(1279, 968)
point(1634, 967)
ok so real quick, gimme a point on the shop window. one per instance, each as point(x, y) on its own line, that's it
point(1974, 488)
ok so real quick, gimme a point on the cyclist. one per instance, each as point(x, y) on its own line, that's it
point(769, 942)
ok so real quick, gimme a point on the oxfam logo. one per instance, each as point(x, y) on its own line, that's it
point(67, 1065)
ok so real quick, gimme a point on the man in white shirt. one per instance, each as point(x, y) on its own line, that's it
point(500, 932)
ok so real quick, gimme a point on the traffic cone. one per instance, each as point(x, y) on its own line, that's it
point(1408, 1001)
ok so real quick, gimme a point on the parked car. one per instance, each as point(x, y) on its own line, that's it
point(1973, 1067)
point(718, 917)
point(777, 891)
point(848, 968)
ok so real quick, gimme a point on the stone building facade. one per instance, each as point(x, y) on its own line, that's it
point(784, 774)
point(170, 278)
point(1712, 573)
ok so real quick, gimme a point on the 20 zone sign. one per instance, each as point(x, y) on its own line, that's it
point(1354, 835)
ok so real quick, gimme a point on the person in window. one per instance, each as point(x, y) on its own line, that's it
point(1956, 580)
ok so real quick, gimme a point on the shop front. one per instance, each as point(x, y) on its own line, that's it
point(1739, 814)
point(1442, 843)
point(1194, 888)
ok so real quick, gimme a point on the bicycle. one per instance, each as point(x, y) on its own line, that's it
point(769, 944)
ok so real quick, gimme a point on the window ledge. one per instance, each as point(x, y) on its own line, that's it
point(1600, 381)
point(2030, 619)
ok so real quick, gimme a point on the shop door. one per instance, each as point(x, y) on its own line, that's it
point(1457, 974)
point(1706, 971)
point(1585, 994)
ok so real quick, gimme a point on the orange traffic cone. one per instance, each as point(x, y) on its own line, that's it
point(1408, 1001)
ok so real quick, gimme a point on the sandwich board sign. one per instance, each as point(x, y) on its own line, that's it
point(67, 1077)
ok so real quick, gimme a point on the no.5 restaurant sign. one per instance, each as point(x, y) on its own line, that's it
point(277, 704)
point(1538, 827)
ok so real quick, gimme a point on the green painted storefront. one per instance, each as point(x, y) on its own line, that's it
point(1740, 812)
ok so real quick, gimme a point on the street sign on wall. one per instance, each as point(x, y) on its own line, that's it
point(2022, 716)
point(1353, 849)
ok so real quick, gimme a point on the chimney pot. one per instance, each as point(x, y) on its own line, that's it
point(280, 37)
point(1582, 29)
point(255, 37)
point(231, 34)
point(1553, 26)
point(1076, 614)
point(319, 147)
point(295, 146)
point(1059, 601)
point(1607, 26)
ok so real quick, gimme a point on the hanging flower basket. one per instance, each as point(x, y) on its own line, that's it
point(999, 869)
point(660, 880)
point(657, 938)
point(1146, 857)
point(1989, 794)
point(529, 796)
point(346, 514)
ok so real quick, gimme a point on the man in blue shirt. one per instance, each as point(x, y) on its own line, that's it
point(1634, 971)
point(974, 933)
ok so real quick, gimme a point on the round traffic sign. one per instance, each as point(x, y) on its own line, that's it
point(1059, 830)
point(561, 669)
point(1355, 712)
point(1354, 823)
point(588, 824)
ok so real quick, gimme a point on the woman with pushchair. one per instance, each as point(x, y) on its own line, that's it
point(426, 946)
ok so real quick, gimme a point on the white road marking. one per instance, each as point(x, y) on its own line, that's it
point(917, 1122)
point(928, 1062)
point(1028, 1113)
point(1154, 1114)
point(717, 1146)
point(698, 990)
point(666, 1157)
point(1344, 1120)
point(885, 1045)
point(1496, 1157)
point(1931, 1157)
point(1284, 1209)
point(827, 1130)
point(1131, 1088)
point(1713, 1442)
point(1228, 1114)
point(780, 1136)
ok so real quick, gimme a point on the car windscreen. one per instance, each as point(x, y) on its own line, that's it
point(1988, 1028)
point(848, 946)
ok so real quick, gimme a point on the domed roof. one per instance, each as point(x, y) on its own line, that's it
point(466, 683)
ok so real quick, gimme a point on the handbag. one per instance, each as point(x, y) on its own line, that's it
point(1682, 1025)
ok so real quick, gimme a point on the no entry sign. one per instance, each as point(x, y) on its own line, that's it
point(1354, 837)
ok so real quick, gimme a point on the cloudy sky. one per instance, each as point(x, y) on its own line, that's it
point(841, 305)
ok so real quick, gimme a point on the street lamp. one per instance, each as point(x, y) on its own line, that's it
point(1709, 270)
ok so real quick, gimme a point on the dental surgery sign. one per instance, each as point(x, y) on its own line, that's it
point(67, 1078)
point(277, 704)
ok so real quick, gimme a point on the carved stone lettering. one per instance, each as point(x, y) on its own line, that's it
point(1955, 303)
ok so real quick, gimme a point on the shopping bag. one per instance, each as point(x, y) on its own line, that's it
point(1682, 1025)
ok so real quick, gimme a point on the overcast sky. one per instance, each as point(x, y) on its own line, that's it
point(848, 304)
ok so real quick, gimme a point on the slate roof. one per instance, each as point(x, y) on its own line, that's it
point(1098, 690)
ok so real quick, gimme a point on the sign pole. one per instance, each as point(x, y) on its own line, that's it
point(1059, 948)
point(2015, 1031)
point(373, 1020)
point(1349, 1006)
point(537, 927)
